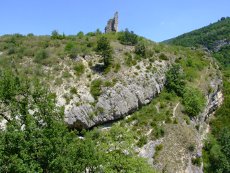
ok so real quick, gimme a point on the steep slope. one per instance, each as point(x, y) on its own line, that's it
point(215, 38)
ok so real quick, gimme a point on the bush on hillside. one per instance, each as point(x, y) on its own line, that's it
point(79, 68)
point(41, 55)
point(105, 50)
point(193, 101)
point(175, 80)
point(95, 88)
point(128, 37)
point(140, 49)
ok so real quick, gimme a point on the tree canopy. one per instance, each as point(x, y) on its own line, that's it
point(36, 139)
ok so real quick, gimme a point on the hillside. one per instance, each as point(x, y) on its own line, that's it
point(126, 98)
point(207, 37)
point(215, 38)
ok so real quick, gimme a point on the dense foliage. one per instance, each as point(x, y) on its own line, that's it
point(95, 88)
point(36, 138)
point(175, 80)
point(207, 36)
point(104, 48)
point(128, 37)
point(223, 55)
point(140, 49)
point(193, 101)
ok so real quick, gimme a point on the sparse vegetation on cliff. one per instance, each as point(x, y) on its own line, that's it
point(216, 38)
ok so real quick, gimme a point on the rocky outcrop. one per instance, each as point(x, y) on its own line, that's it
point(219, 44)
point(175, 156)
point(148, 151)
point(214, 100)
point(131, 92)
point(112, 24)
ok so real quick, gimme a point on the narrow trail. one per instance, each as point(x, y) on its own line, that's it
point(174, 109)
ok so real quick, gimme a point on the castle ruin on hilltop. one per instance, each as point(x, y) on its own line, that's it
point(112, 24)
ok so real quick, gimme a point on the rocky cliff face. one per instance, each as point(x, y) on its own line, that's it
point(176, 157)
point(214, 100)
point(132, 91)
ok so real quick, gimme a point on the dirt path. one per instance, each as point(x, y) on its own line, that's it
point(174, 109)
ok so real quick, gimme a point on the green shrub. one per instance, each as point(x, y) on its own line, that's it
point(100, 110)
point(175, 80)
point(142, 141)
point(168, 120)
point(11, 50)
point(175, 121)
point(40, 56)
point(105, 50)
point(95, 88)
point(79, 68)
point(117, 67)
point(158, 148)
point(138, 67)
point(193, 101)
point(108, 84)
point(187, 119)
point(196, 161)
point(158, 132)
point(163, 57)
point(191, 147)
point(73, 90)
point(80, 35)
point(74, 52)
point(128, 37)
point(69, 46)
point(128, 59)
point(66, 74)
point(140, 49)
point(56, 35)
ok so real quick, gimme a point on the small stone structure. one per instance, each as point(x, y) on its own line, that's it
point(112, 24)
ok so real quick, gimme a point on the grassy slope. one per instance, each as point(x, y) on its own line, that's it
point(215, 156)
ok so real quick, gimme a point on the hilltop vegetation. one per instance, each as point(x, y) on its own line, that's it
point(215, 37)
point(206, 37)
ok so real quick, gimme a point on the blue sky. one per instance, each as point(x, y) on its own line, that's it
point(157, 20)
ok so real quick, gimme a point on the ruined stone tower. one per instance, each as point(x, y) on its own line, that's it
point(112, 24)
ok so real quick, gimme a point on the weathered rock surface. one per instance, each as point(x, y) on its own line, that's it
point(131, 92)
point(175, 156)
point(112, 24)
point(148, 151)
point(219, 44)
